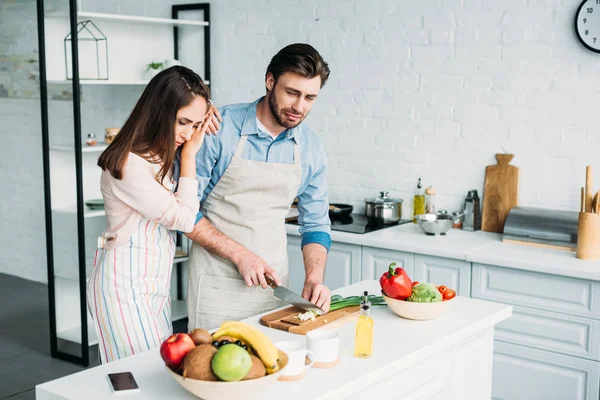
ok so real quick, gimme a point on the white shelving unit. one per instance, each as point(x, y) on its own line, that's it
point(132, 43)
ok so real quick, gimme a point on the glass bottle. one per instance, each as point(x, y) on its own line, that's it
point(363, 345)
point(430, 201)
point(91, 139)
point(418, 202)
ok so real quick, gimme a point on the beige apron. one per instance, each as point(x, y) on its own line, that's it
point(248, 204)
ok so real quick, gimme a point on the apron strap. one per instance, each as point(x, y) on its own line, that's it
point(240, 146)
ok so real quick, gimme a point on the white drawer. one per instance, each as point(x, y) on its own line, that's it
point(536, 290)
point(559, 333)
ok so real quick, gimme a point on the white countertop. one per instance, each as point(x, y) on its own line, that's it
point(419, 339)
point(479, 247)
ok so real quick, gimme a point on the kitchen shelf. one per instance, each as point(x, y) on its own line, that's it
point(132, 18)
point(98, 82)
point(88, 213)
point(86, 149)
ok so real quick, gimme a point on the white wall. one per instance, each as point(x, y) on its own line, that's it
point(419, 88)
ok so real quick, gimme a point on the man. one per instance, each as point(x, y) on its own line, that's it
point(249, 174)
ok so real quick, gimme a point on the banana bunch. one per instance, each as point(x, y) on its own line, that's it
point(260, 344)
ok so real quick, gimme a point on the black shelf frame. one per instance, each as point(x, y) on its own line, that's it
point(56, 344)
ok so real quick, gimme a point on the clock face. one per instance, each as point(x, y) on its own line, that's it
point(587, 24)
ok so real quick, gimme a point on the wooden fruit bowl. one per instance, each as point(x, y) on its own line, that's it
point(211, 390)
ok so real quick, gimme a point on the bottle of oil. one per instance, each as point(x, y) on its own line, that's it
point(418, 202)
point(363, 345)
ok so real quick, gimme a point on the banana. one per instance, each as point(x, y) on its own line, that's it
point(258, 341)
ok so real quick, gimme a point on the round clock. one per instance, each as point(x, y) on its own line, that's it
point(587, 24)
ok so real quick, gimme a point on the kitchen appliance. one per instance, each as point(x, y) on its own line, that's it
point(472, 211)
point(542, 227)
point(383, 209)
point(292, 298)
point(357, 223)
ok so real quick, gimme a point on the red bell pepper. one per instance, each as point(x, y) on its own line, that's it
point(395, 283)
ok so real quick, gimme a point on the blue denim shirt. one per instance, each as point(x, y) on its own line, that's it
point(217, 151)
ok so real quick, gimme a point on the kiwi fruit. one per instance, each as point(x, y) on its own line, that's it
point(200, 336)
point(257, 370)
point(196, 364)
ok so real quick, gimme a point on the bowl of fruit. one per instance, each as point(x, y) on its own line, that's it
point(414, 300)
point(237, 361)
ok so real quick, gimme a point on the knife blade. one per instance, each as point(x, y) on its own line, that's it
point(292, 298)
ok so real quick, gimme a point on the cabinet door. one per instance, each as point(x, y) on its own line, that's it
point(343, 265)
point(522, 373)
point(455, 274)
point(377, 261)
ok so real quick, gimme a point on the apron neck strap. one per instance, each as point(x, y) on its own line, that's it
point(244, 138)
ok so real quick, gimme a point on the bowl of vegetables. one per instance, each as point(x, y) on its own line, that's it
point(426, 302)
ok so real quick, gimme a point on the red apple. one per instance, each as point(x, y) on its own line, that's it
point(174, 349)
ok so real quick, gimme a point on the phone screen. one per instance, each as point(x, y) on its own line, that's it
point(122, 381)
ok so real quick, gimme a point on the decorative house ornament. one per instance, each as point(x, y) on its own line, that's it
point(93, 52)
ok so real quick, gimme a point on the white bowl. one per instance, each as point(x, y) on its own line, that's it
point(417, 311)
point(211, 390)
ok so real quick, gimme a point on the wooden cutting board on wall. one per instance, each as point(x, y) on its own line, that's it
point(500, 194)
point(284, 319)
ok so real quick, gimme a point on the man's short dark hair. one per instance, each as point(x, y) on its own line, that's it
point(301, 59)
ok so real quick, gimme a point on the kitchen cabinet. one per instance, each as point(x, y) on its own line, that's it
point(455, 274)
point(522, 373)
point(343, 265)
point(377, 261)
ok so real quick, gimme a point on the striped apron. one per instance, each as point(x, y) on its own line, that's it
point(128, 292)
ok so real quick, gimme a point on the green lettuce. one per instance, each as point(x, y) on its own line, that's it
point(425, 293)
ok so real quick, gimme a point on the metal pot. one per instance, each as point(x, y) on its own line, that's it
point(383, 209)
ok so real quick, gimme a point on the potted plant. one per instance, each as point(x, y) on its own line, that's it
point(154, 68)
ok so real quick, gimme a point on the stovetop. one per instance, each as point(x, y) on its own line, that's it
point(358, 223)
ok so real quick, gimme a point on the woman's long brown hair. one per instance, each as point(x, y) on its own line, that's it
point(150, 129)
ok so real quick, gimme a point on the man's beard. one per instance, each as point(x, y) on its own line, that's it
point(279, 115)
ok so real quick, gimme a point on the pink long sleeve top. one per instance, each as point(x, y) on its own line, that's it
point(139, 195)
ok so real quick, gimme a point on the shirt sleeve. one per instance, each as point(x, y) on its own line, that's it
point(140, 190)
point(206, 160)
point(313, 206)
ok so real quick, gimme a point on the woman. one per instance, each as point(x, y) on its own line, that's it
point(128, 290)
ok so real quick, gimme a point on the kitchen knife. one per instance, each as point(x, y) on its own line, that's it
point(292, 298)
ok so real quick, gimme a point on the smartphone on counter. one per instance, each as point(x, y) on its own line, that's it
point(123, 383)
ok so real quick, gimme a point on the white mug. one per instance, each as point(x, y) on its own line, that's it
point(324, 344)
point(297, 354)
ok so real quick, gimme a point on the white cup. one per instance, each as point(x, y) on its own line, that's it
point(297, 354)
point(324, 344)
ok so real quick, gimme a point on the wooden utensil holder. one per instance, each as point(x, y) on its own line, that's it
point(588, 236)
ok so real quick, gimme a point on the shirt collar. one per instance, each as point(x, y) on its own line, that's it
point(249, 125)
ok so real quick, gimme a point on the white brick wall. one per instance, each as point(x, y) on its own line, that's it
point(429, 89)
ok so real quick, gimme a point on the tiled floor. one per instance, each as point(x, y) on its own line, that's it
point(25, 339)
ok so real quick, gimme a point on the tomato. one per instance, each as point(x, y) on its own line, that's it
point(443, 289)
point(450, 294)
point(415, 283)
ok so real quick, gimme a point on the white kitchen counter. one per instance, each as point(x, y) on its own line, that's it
point(478, 247)
point(449, 357)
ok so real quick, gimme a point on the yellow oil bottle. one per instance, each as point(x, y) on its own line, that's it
point(418, 202)
point(363, 345)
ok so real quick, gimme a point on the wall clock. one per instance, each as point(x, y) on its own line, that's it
point(587, 24)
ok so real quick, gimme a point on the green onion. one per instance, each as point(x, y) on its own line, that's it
point(338, 302)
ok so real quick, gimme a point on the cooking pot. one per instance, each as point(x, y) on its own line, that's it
point(383, 209)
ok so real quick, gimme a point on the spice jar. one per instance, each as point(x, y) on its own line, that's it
point(110, 135)
point(430, 201)
point(91, 139)
point(457, 219)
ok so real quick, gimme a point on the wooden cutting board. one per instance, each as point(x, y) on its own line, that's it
point(500, 194)
point(284, 319)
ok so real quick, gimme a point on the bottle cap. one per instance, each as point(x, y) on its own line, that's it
point(430, 191)
point(365, 304)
